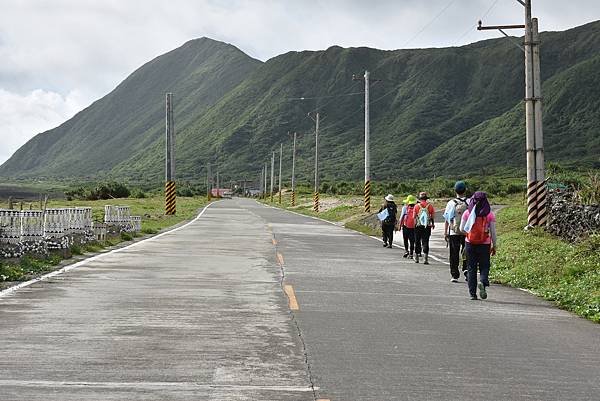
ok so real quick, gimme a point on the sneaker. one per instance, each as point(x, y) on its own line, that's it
point(405, 255)
point(482, 291)
point(454, 280)
point(411, 256)
point(390, 246)
point(385, 244)
point(426, 262)
point(416, 258)
point(473, 297)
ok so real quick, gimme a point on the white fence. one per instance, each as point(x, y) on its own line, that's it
point(37, 225)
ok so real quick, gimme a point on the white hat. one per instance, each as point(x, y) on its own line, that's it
point(389, 198)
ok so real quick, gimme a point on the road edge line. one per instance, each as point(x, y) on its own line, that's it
point(15, 288)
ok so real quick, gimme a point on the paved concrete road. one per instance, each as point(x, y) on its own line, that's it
point(200, 314)
point(197, 314)
point(378, 327)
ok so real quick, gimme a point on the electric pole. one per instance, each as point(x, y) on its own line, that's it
point(260, 182)
point(294, 172)
point(170, 194)
point(280, 161)
point(367, 191)
point(534, 142)
point(266, 174)
point(367, 153)
point(316, 193)
point(272, 173)
point(208, 182)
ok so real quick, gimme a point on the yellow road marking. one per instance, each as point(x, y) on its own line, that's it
point(280, 259)
point(274, 241)
point(323, 399)
point(289, 290)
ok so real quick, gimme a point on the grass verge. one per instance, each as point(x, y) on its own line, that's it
point(566, 274)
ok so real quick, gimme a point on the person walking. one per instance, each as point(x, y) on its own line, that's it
point(424, 223)
point(455, 238)
point(407, 225)
point(479, 222)
point(388, 224)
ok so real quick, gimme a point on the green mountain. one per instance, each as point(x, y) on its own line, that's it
point(131, 117)
point(433, 112)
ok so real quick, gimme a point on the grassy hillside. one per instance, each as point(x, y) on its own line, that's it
point(571, 129)
point(130, 119)
point(232, 111)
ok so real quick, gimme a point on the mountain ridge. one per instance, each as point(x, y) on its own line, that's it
point(428, 101)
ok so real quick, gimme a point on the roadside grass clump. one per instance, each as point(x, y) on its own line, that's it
point(27, 267)
point(566, 274)
point(126, 236)
point(356, 225)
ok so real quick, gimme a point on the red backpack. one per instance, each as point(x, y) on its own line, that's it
point(409, 219)
point(479, 233)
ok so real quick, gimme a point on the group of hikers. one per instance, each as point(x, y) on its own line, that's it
point(469, 231)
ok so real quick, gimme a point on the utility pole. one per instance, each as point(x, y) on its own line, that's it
point(294, 172)
point(534, 142)
point(272, 173)
point(260, 183)
point(316, 193)
point(170, 194)
point(208, 182)
point(266, 174)
point(367, 153)
point(280, 161)
point(367, 191)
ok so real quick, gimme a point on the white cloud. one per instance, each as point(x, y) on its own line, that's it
point(24, 116)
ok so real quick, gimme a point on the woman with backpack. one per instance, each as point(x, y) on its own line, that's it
point(389, 223)
point(407, 225)
point(424, 213)
point(479, 222)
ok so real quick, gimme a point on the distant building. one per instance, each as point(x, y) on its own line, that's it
point(221, 192)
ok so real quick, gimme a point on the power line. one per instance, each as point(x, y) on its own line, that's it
point(490, 8)
point(448, 5)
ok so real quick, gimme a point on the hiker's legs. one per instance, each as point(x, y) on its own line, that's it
point(426, 235)
point(411, 238)
point(384, 234)
point(418, 238)
point(390, 229)
point(472, 259)
point(405, 237)
point(484, 264)
point(462, 252)
point(454, 245)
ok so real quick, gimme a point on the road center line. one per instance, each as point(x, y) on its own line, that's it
point(289, 290)
point(279, 259)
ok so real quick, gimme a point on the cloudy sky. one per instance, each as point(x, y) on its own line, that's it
point(58, 56)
